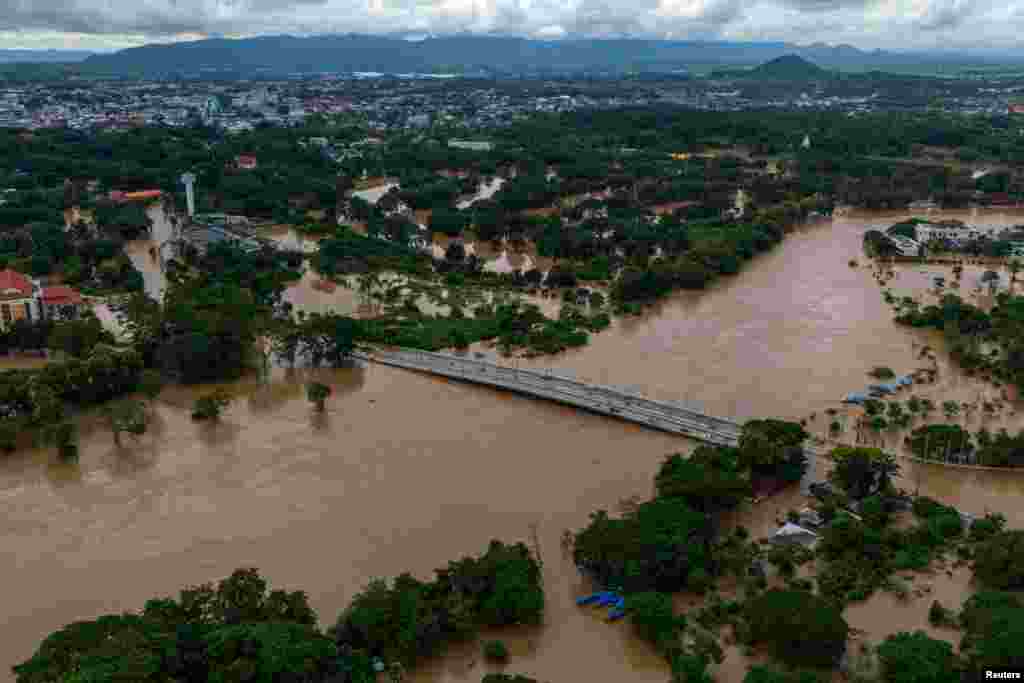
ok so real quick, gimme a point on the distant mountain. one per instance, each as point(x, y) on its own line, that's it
point(465, 53)
point(44, 56)
point(788, 68)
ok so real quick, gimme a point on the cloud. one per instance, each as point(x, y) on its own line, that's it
point(863, 23)
point(947, 14)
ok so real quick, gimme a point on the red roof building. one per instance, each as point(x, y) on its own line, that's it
point(60, 295)
point(246, 161)
point(14, 285)
point(143, 195)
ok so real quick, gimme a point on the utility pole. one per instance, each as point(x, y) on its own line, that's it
point(188, 179)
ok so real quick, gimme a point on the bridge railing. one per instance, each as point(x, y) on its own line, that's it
point(605, 399)
point(452, 360)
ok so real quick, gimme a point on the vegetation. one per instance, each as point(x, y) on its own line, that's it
point(918, 658)
point(127, 416)
point(210, 406)
point(317, 393)
point(997, 561)
point(862, 472)
point(495, 650)
point(241, 629)
point(409, 619)
point(801, 628)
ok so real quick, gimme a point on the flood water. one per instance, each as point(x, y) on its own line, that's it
point(405, 472)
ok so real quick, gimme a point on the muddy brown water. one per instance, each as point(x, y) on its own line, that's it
point(405, 472)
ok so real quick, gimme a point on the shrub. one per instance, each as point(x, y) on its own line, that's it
point(317, 393)
point(211, 406)
point(939, 615)
point(800, 627)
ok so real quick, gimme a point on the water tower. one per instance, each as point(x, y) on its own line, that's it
point(188, 179)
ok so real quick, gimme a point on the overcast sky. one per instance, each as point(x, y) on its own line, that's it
point(108, 24)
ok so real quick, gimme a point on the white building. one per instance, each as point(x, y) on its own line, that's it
point(955, 231)
point(476, 146)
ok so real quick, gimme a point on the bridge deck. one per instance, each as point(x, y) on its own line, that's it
point(612, 401)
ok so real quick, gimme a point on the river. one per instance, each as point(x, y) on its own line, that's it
point(405, 472)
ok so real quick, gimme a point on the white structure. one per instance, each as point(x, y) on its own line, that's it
point(955, 231)
point(806, 144)
point(907, 246)
point(188, 179)
point(474, 145)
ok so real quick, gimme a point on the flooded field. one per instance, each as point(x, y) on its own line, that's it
point(405, 472)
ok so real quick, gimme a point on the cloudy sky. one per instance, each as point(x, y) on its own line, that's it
point(887, 24)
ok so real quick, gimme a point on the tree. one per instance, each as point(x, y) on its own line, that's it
point(801, 628)
point(151, 383)
point(951, 409)
point(211, 406)
point(78, 338)
point(127, 416)
point(862, 472)
point(774, 448)
point(917, 658)
point(65, 437)
point(999, 561)
point(993, 624)
point(317, 394)
point(710, 480)
point(655, 621)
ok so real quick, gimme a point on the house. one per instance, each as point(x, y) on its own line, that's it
point(793, 534)
point(60, 302)
point(17, 298)
point(245, 162)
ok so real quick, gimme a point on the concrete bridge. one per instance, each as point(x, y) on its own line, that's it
point(606, 400)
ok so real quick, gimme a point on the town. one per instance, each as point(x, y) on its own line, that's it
point(718, 373)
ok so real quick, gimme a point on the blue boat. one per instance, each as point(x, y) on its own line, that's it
point(594, 598)
point(856, 398)
point(618, 610)
point(608, 600)
point(905, 381)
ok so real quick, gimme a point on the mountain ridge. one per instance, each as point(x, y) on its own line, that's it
point(466, 53)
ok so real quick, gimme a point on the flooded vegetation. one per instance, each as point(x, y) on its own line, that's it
point(406, 472)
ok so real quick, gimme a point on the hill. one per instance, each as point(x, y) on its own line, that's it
point(43, 56)
point(788, 68)
point(465, 53)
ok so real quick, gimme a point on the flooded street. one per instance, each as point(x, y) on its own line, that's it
point(406, 472)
